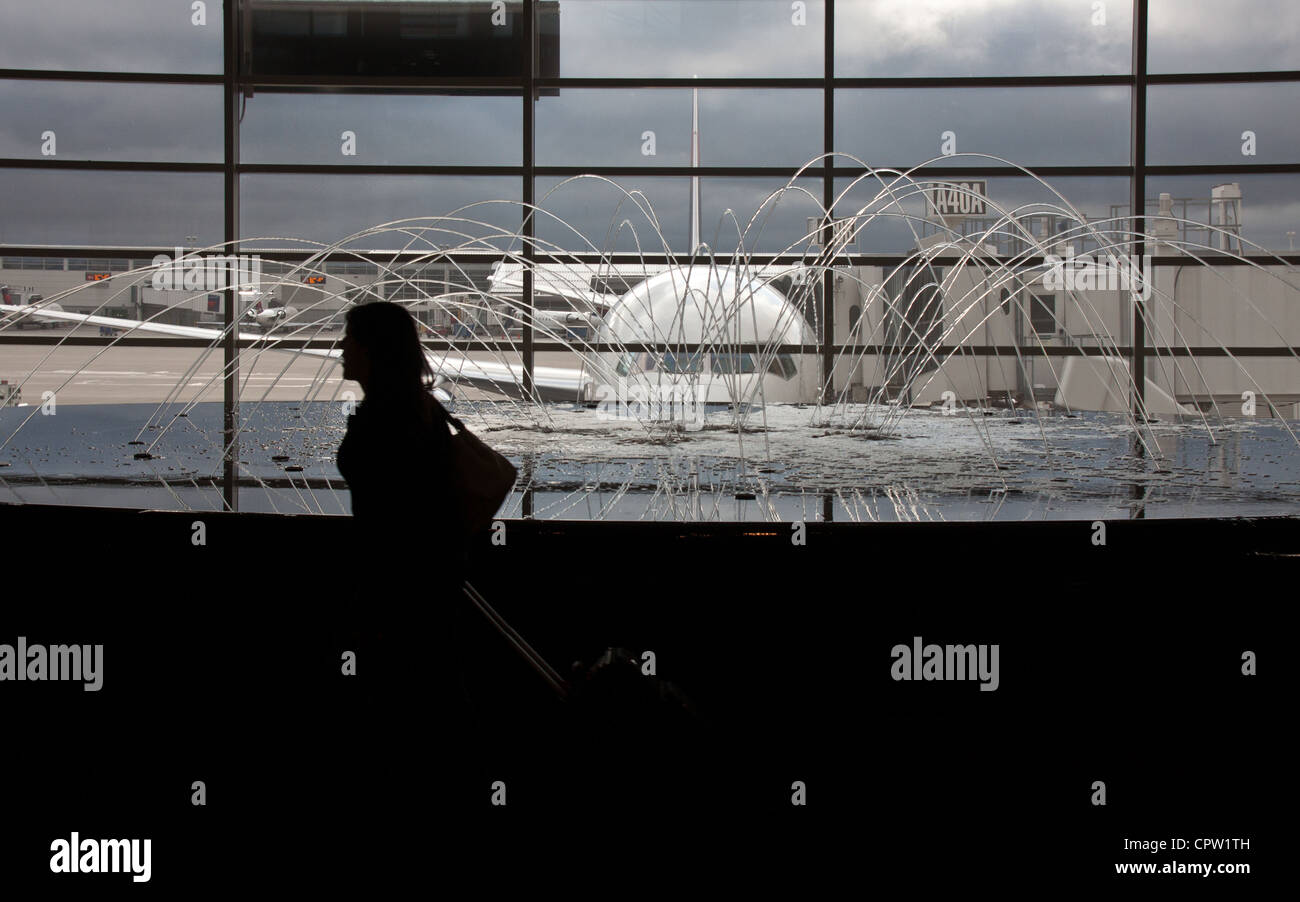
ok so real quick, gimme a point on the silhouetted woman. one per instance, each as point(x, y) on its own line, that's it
point(410, 554)
point(396, 453)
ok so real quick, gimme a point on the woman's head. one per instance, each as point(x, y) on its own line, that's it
point(381, 350)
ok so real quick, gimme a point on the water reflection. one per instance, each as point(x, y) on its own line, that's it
point(932, 470)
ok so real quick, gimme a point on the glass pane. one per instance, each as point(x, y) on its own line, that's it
point(387, 128)
point(665, 38)
point(1028, 126)
point(1237, 212)
point(1235, 124)
point(297, 210)
point(653, 127)
point(142, 426)
point(1197, 305)
point(105, 121)
point(590, 213)
point(1194, 305)
point(895, 215)
point(758, 215)
point(736, 215)
point(110, 209)
point(387, 39)
point(1222, 36)
point(138, 36)
point(953, 37)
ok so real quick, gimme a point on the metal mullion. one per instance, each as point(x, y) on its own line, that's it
point(318, 84)
point(364, 90)
point(984, 81)
point(144, 341)
point(108, 165)
point(1198, 78)
point(671, 171)
point(1205, 259)
point(528, 227)
point(127, 77)
point(375, 169)
point(828, 198)
point(1225, 169)
point(788, 171)
point(230, 344)
point(1253, 351)
point(991, 171)
point(1137, 194)
point(45, 250)
point(811, 83)
point(829, 80)
point(148, 340)
point(351, 255)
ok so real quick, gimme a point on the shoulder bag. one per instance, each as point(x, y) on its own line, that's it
point(484, 476)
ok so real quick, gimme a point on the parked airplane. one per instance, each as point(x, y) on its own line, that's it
point(29, 308)
point(270, 317)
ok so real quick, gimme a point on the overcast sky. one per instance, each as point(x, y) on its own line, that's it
point(736, 37)
point(650, 127)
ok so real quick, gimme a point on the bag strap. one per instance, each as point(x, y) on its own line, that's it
point(460, 427)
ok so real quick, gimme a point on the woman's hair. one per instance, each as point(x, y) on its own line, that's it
point(400, 374)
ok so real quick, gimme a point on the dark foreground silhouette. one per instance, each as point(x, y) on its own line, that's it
point(408, 556)
point(446, 694)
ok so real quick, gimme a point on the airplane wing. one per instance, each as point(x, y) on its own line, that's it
point(129, 325)
point(552, 383)
point(571, 282)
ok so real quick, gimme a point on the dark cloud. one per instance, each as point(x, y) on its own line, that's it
point(389, 129)
point(327, 209)
point(1029, 126)
point(900, 127)
point(749, 127)
point(109, 121)
point(112, 209)
point(1203, 124)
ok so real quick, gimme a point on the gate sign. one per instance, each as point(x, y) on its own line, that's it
point(956, 199)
